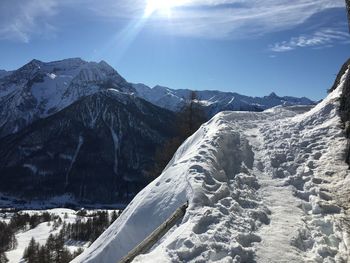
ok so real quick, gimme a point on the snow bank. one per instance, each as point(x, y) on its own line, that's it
point(260, 186)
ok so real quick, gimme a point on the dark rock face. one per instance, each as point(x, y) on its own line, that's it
point(345, 107)
point(340, 75)
point(98, 149)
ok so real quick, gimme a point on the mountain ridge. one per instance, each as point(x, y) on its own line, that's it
point(214, 101)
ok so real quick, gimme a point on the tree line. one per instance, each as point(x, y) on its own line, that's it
point(53, 251)
point(90, 229)
point(19, 221)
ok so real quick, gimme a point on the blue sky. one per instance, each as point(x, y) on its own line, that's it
point(252, 47)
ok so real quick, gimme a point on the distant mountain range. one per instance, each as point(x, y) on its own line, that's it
point(79, 128)
point(214, 101)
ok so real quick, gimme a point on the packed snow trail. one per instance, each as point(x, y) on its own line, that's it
point(261, 188)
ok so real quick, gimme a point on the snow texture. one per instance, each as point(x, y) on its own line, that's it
point(261, 187)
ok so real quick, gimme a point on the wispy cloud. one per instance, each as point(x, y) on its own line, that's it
point(19, 20)
point(321, 39)
point(223, 18)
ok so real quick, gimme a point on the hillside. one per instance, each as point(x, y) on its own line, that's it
point(98, 150)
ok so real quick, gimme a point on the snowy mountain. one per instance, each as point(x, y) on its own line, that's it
point(97, 150)
point(39, 89)
point(270, 186)
point(214, 101)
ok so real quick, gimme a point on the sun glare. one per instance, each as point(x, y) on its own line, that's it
point(162, 6)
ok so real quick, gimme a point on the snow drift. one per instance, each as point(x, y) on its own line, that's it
point(260, 186)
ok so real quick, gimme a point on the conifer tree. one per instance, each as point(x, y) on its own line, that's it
point(31, 252)
point(114, 216)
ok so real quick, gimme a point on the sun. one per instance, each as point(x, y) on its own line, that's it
point(162, 6)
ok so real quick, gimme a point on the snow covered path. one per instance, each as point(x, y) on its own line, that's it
point(284, 216)
point(262, 187)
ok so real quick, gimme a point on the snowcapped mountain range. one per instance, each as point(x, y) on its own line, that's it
point(78, 128)
point(38, 90)
point(268, 186)
point(214, 101)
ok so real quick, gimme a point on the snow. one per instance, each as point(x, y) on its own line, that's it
point(260, 186)
point(51, 75)
point(116, 145)
point(80, 143)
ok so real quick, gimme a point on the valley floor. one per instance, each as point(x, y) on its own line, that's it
point(261, 187)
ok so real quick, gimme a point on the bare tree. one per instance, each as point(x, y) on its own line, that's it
point(188, 120)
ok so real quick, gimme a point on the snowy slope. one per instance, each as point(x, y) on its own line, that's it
point(214, 101)
point(40, 89)
point(260, 186)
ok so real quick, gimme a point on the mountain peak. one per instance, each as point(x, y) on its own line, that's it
point(273, 95)
point(33, 63)
point(103, 64)
point(31, 66)
point(160, 88)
